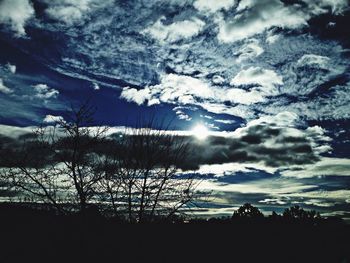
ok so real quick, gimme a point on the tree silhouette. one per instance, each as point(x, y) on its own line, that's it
point(298, 213)
point(247, 211)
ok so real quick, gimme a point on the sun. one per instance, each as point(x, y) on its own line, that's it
point(200, 132)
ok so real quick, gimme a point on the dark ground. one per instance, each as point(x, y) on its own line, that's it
point(27, 234)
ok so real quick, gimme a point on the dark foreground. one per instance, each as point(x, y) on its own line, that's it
point(27, 234)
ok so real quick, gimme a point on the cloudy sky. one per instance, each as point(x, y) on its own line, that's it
point(264, 83)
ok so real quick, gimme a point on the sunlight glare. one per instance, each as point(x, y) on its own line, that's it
point(200, 132)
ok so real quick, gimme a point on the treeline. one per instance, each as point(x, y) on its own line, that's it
point(248, 213)
point(245, 214)
point(293, 236)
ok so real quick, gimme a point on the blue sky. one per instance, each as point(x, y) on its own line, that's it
point(271, 77)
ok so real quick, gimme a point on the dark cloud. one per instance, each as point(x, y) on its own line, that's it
point(275, 146)
point(270, 141)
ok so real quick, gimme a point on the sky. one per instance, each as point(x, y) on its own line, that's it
point(266, 81)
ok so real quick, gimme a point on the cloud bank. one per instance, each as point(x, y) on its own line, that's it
point(272, 141)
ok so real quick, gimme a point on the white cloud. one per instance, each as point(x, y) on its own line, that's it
point(175, 31)
point(15, 14)
point(244, 97)
point(271, 37)
point(183, 116)
point(137, 96)
point(185, 90)
point(214, 212)
point(14, 131)
point(11, 68)
point(211, 126)
point(273, 201)
point(45, 92)
point(217, 79)
point(282, 119)
point(68, 14)
point(207, 117)
point(265, 186)
point(308, 143)
point(232, 168)
point(325, 167)
point(270, 144)
point(322, 197)
point(67, 11)
point(249, 50)
point(287, 121)
point(225, 121)
point(72, 11)
point(53, 119)
point(256, 16)
point(246, 4)
point(173, 89)
point(334, 106)
point(266, 78)
point(210, 6)
point(3, 88)
point(241, 110)
point(314, 61)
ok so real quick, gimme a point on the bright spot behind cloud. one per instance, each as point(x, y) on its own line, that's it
point(200, 132)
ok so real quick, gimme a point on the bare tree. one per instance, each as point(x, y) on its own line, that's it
point(135, 172)
point(29, 171)
point(144, 178)
point(60, 162)
point(77, 151)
